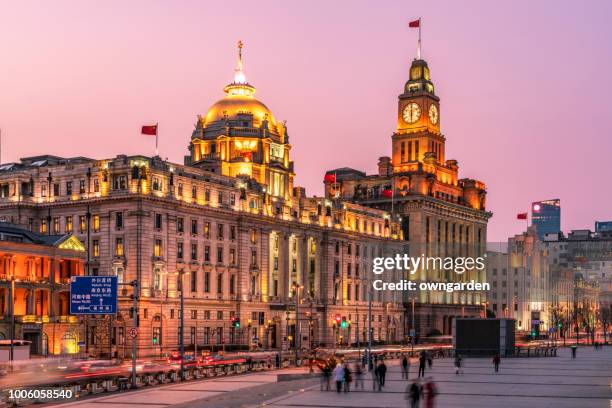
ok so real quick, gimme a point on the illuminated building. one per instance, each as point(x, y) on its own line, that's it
point(228, 229)
point(35, 272)
point(440, 214)
point(546, 216)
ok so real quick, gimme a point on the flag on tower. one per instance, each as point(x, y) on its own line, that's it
point(521, 216)
point(415, 23)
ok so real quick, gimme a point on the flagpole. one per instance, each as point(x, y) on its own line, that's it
point(419, 47)
point(156, 136)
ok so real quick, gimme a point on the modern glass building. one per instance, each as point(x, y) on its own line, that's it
point(546, 216)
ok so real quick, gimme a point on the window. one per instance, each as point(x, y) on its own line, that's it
point(232, 256)
point(158, 221)
point(96, 185)
point(96, 223)
point(81, 186)
point(219, 314)
point(357, 249)
point(56, 189)
point(68, 227)
point(206, 253)
point(180, 227)
point(157, 248)
point(207, 195)
point(348, 269)
point(337, 248)
point(194, 251)
point(253, 236)
point(232, 284)
point(194, 281)
point(180, 190)
point(207, 230)
point(118, 220)
point(157, 279)
point(179, 250)
point(207, 315)
point(206, 282)
point(220, 255)
point(220, 232)
point(157, 186)
point(194, 315)
point(253, 257)
point(349, 289)
point(95, 246)
point(194, 227)
point(220, 198)
point(82, 223)
point(233, 232)
point(43, 190)
point(119, 246)
point(68, 187)
point(350, 249)
point(220, 283)
point(194, 192)
point(56, 225)
point(120, 182)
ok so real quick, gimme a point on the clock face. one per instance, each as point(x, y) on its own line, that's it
point(433, 114)
point(412, 112)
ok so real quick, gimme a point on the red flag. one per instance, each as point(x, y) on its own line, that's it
point(149, 130)
point(521, 216)
point(330, 178)
point(387, 193)
point(415, 23)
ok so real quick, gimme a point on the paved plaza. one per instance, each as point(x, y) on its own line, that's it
point(551, 382)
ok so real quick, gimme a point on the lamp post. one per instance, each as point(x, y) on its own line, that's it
point(181, 273)
point(296, 289)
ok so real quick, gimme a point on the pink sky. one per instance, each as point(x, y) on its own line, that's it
point(524, 86)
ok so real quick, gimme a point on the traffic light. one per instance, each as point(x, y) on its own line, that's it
point(560, 325)
point(338, 320)
point(344, 323)
point(236, 322)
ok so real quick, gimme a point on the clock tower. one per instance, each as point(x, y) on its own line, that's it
point(418, 122)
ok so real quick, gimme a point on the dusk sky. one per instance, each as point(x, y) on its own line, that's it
point(525, 86)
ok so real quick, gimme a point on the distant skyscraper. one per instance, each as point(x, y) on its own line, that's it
point(546, 216)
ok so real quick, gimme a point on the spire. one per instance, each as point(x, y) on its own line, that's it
point(239, 77)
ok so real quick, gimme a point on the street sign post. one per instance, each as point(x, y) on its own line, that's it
point(93, 295)
point(133, 332)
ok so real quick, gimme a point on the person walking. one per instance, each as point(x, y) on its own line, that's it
point(429, 358)
point(496, 361)
point(358, 376)
point(422, 360)
point(405, 367)
point(338, 376)
point(278, 360)
point(382, 373)
point(347, 378)
point(430, 391)
point(375, 381)
point(414, 393)
point(325, 377)
point(457, 364)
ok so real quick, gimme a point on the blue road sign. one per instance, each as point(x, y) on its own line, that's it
point(93, 295)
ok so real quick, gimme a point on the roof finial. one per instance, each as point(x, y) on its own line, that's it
point(239, 77)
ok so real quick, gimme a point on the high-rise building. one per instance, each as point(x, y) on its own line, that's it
point(546, 216)
point(440, 213)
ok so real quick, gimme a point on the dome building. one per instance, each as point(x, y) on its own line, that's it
point(240, 137)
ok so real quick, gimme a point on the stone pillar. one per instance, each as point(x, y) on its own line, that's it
point(283, 265)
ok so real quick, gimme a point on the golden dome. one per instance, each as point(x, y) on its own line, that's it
point(232, 105)
point(239, 99)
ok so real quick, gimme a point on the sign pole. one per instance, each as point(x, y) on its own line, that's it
point(135, 319)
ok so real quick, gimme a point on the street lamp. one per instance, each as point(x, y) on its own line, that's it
point(181, 273)
point(296, 289)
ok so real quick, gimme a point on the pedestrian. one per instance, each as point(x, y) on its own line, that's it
point(414, 393)
point(278, 360)
point(325, 376)
point(347, 378)
point(405, 367)
point(374, 377)
point(457, 364)
point(382, 372)
point(422, 360)
point(429, 359)
point(339, 377)
point(358, 376)
point(430, 392)
point(496, 361)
